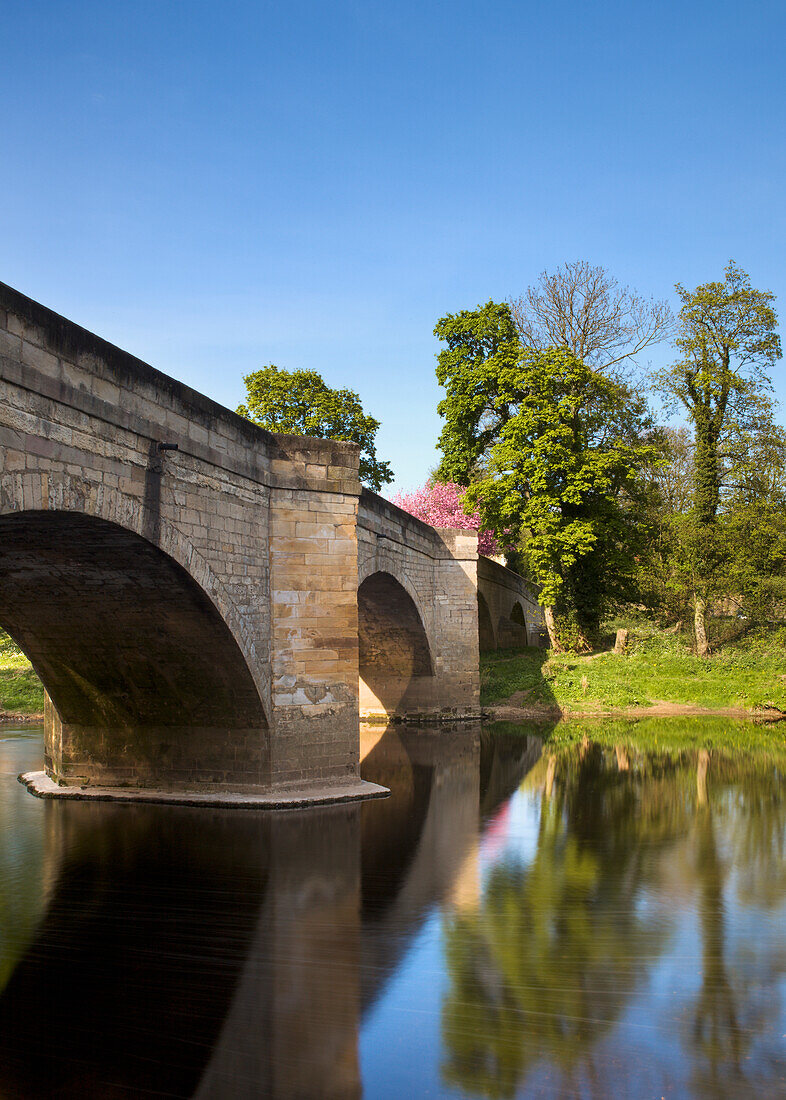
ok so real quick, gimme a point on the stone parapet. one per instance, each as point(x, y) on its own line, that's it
point(49, 356)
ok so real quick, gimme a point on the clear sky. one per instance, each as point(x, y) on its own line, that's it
point(218, 186)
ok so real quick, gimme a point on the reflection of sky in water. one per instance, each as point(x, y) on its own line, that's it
point(400, 1039)
point(513, 831)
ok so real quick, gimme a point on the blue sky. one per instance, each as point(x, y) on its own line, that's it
point(219, 186)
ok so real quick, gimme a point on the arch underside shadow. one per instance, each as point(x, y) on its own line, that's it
point(149, 684)
point(512, 629)
point(395, 663)
point(486, 638)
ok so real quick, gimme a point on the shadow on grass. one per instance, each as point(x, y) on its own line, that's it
point(520, 677)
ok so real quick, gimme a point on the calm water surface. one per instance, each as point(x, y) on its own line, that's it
point(515, 920)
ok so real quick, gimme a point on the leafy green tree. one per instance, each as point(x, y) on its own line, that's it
point(554, 454)
point(748, 537)
point(300, 402)
point(483, 348)
point(728, 343)
point(752, 519)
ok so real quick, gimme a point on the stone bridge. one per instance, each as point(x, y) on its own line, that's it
point(209, 605)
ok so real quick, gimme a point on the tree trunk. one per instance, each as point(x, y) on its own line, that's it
point(551, 626)
point(701, 777)
point(700, 624)
point(551, 770)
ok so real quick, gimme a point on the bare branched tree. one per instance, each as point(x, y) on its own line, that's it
point(585, 309)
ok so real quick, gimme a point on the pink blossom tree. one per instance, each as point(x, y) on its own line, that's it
point(440, 504)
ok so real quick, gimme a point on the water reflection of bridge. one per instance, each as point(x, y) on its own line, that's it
point(213, 954)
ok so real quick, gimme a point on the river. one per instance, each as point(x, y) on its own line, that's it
point(518, 919)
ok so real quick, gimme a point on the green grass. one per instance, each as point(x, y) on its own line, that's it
point(747, 671)
point(21, 691)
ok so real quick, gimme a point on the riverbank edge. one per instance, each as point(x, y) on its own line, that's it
point(505, 711)
point(509, 711)
point(12, 718)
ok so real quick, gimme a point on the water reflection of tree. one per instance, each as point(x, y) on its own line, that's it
point(543, 968)
point(722, 1028)
point(545, 965)
point(715, 1034)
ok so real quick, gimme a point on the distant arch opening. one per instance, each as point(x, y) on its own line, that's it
point(486, 638)
point(149, 685)
point(395, 664)
point(512, 630)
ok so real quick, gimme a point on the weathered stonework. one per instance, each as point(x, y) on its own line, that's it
point(422, 594)
point(211, 615)
point(191, 629)
point(434, 573)
point(509, 615)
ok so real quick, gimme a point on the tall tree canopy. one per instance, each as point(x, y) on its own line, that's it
point(582, 307)
point(728, 344)
point(300, 402)
point(554, 454)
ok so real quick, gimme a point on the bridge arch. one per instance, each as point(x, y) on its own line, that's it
point(69, 493)
point(147, 677)
point(395, 662)
point(486, 636)
point(385, 561)
point(512, 628)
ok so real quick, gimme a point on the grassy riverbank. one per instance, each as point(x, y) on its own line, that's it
point(21, 692)
point(659, 673)
point(746, 673)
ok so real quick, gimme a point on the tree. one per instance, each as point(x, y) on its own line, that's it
point(674, 478)
point(748, 539)
point(554, 454)
point(585, 309)
point(728, 342)
point(753, 518)
point(301, 403)
point(482, 348)
point(553, 937)
point(442, 505)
